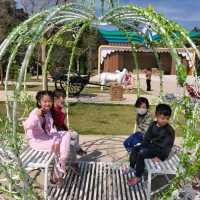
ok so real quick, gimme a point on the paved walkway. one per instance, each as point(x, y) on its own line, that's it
point(169, 82)
point(101, 98)
point(107, 148)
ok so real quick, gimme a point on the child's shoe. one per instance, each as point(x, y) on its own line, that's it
point(56, 182)
point(61, 169)
point(81, 152)
point(134, 181)
point(75, 168)
point(128, 170)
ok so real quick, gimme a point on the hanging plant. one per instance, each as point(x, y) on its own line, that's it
point(181, 74)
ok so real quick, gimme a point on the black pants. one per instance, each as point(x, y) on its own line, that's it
point(148, 81)
point(139, 153)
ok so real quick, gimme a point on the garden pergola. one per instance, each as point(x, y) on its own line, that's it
point(78, 18)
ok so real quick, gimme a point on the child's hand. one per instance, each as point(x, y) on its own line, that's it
point(156, 159)
point(63, 110)
point(40, 112)
point(70, 130)
point(56, 149)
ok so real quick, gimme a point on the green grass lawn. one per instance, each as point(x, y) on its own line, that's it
point(98, 119)
point(102, 119)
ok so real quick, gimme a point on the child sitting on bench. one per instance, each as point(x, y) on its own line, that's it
point(42, 135)
point(157, 144)
point(143, 120)
point(59, 119)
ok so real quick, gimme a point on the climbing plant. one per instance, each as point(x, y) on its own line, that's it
point(190, 152)
point(75, 16)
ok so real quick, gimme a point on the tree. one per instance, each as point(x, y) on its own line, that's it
point(196, 29)
point(90, 40)
point(32, 6)
point(9, 18)
point(62, 1)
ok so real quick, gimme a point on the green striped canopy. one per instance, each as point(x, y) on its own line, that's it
point(120, 37)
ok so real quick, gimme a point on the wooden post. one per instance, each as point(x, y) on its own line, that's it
point(193, 69)
point(38, 58)
point(189, 71)
point(173, 67)
point(44, 74)
point(77, 65)
point(90, 58)
point(1, 73)
point(99, 62)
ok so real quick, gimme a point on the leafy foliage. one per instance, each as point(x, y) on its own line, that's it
point(181, 74)
point(9, 17)
point(190, 152)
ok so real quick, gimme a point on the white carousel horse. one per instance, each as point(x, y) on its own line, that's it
point(108, 77)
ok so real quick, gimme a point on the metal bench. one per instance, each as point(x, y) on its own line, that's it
point(167, 167)
point(98, 181)
point(33, 159)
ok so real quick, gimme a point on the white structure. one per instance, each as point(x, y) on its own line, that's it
point(108, 77)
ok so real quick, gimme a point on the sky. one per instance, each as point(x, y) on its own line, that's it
point(185, 12)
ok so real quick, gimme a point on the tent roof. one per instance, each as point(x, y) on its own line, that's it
point(120, 37)
point(194, 35)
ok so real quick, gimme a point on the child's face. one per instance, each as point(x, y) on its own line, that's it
point(143, 106)
point(46, 103)
point(59, 101)
point(142, 109)
point(162, 120)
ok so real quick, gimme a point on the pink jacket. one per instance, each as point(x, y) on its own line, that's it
point(33, 126)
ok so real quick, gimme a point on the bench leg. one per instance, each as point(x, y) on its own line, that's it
point(167, 178)
point(10, 185)
point(149, 186)
point(45, 182)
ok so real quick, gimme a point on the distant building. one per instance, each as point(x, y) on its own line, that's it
point(116, 53)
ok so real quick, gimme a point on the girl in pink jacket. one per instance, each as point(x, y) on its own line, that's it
point(42, 135)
